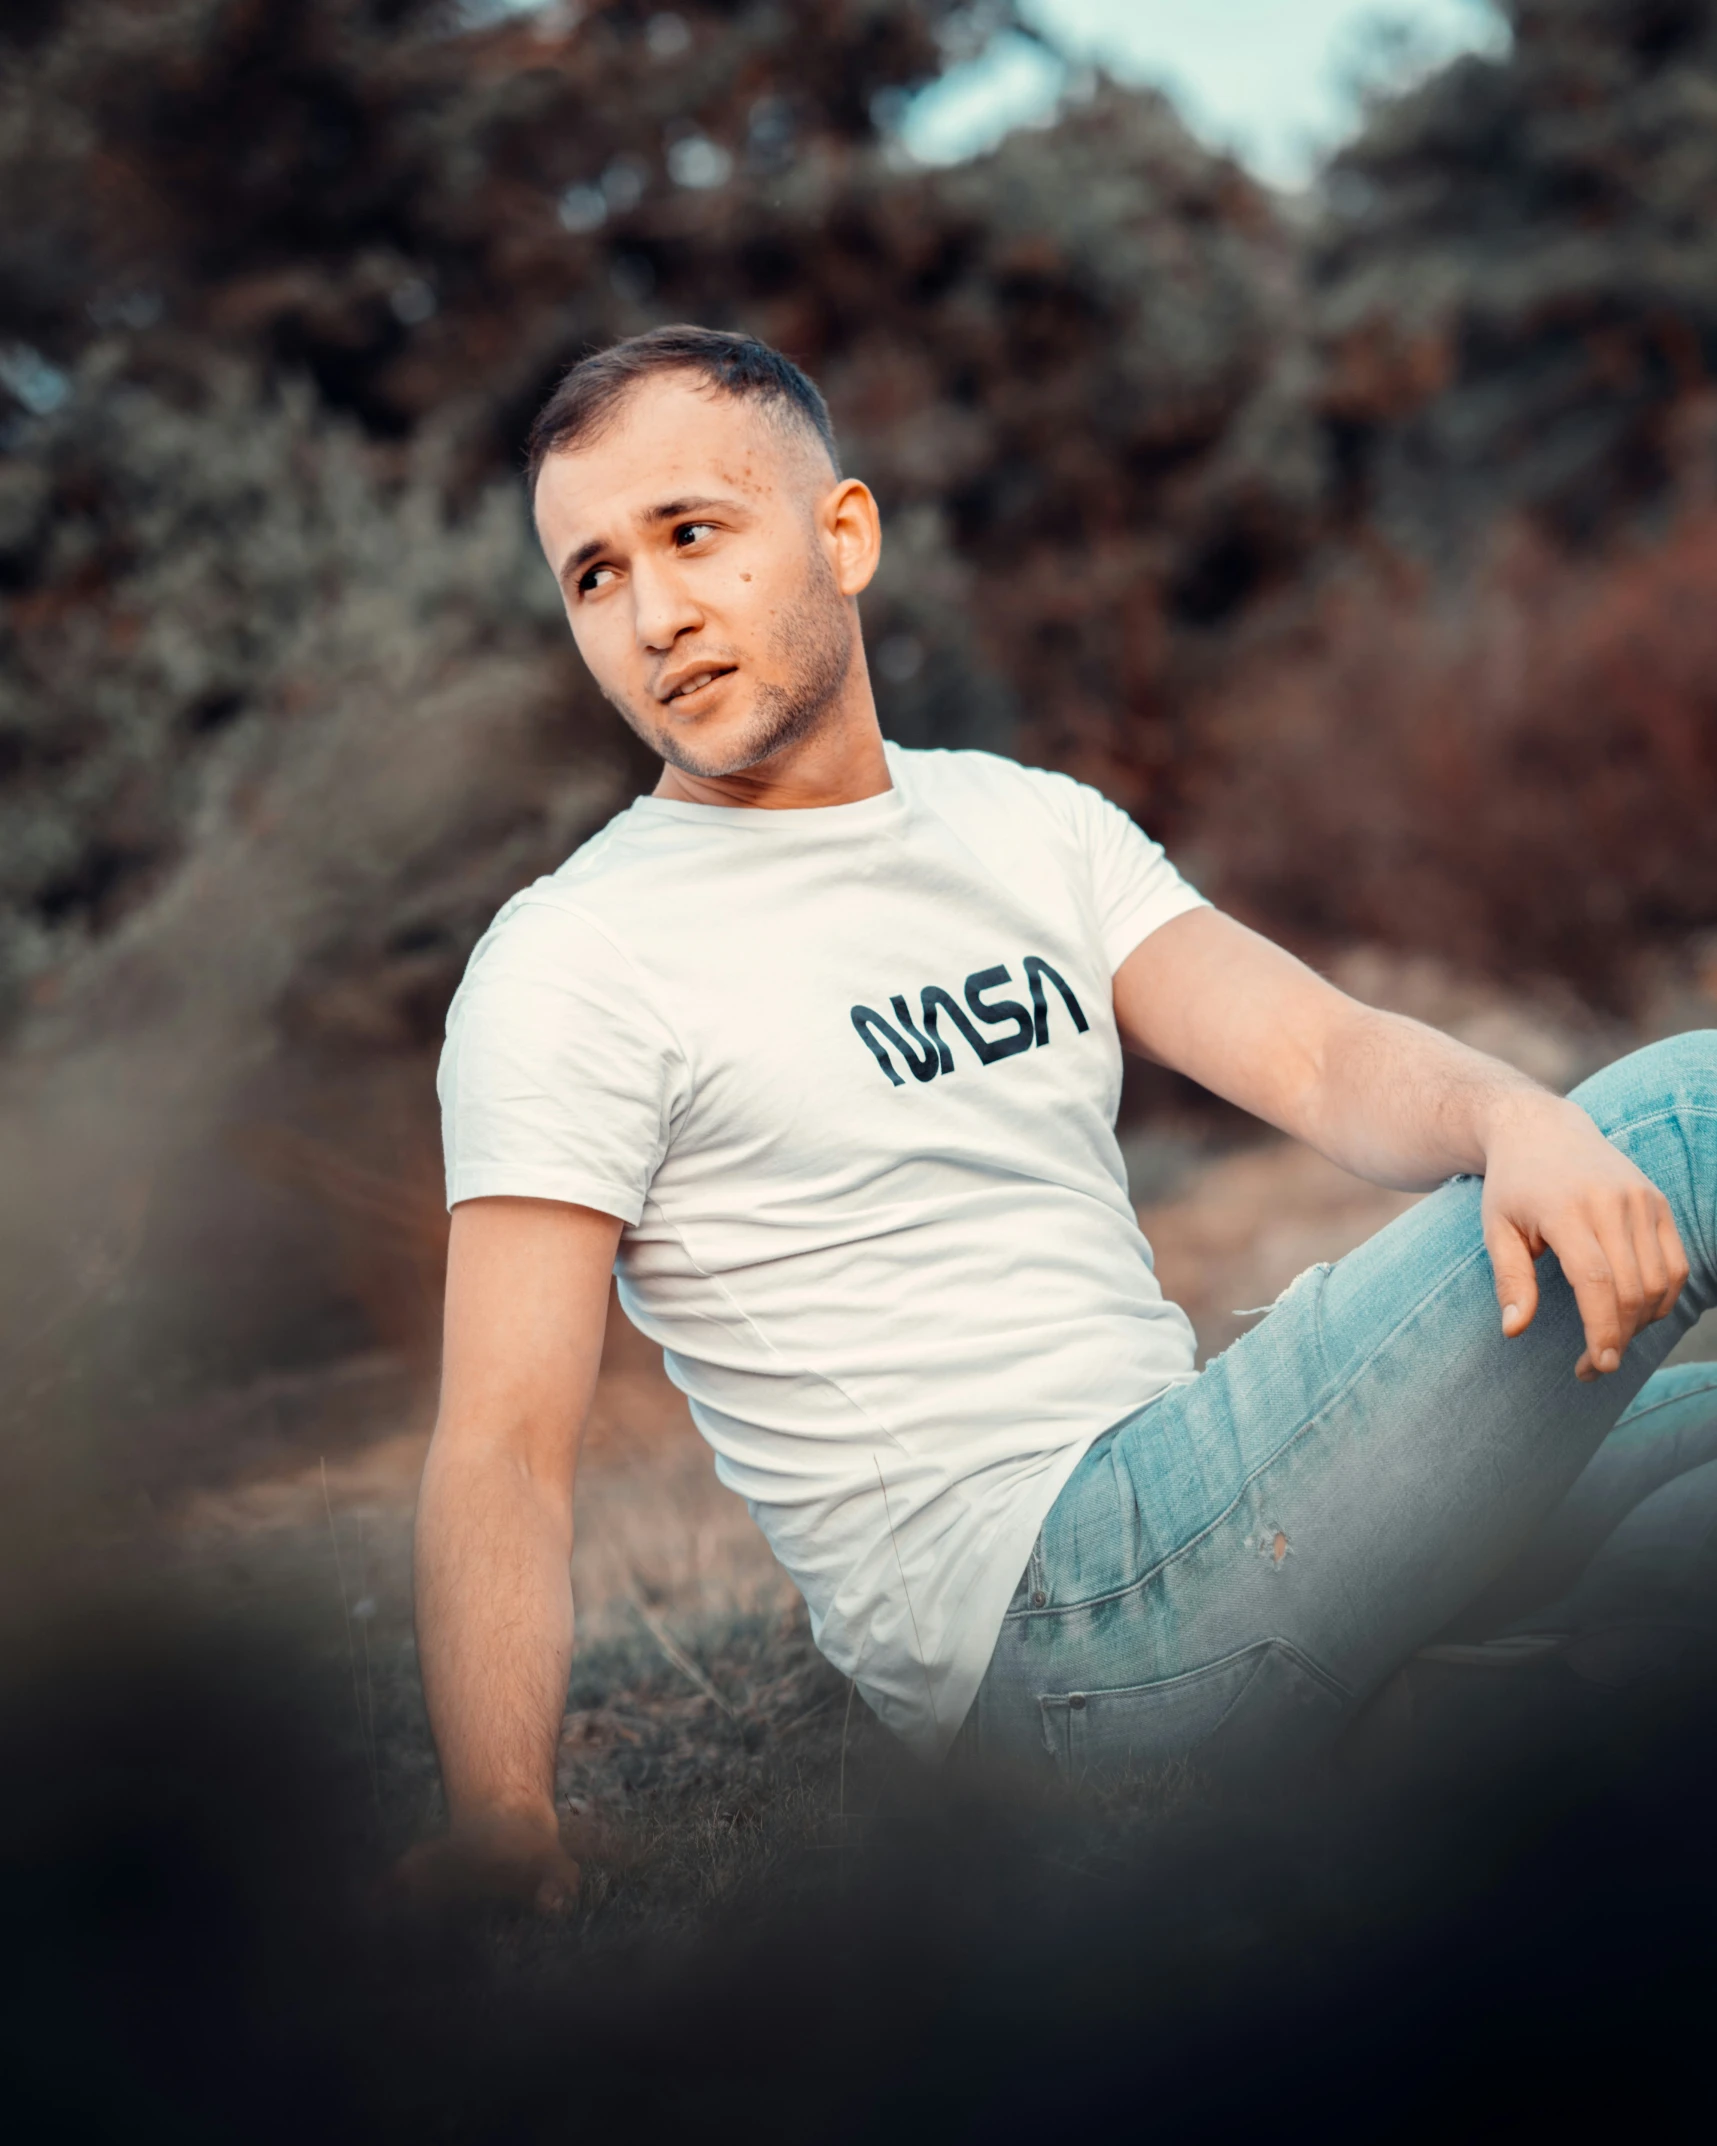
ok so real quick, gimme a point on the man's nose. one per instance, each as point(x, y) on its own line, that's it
point(664, 607)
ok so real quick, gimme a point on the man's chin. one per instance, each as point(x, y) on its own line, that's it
point(714, 748)
point(710, 754)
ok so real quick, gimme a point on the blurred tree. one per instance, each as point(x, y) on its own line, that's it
point(1038, 361)
point(1127, 416)
point(1486, 725)
point(1514, 290)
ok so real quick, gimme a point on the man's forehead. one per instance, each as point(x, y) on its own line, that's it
point(666, 439)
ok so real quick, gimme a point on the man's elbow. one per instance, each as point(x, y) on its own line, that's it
point(517, 1457)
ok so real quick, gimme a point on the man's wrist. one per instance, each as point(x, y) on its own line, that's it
point(1512, 1106)
point(506, 1828)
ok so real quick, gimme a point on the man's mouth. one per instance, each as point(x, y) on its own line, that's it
point(688, 687)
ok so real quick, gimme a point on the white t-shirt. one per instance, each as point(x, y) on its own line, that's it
point(849, 1077)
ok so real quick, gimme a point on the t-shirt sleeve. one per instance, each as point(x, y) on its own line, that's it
point(1135, 888)
point(558, 1078)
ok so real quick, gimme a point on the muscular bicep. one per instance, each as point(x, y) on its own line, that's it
point(527, 1301)
point(1215, 1001)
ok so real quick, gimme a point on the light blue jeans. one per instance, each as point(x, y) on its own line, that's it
point(1230, 1572)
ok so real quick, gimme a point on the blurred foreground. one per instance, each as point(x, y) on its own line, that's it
point(1492, 1910)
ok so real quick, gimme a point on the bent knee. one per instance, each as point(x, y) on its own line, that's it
point(1676, 1076)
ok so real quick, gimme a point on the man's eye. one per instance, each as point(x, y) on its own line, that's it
point(689, 532)
point(591, 579)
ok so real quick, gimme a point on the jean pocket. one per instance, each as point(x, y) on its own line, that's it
point(1261, 1706)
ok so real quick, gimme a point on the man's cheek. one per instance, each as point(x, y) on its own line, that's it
point(602, 659)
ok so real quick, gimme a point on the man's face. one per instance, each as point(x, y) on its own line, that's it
point(699, 547)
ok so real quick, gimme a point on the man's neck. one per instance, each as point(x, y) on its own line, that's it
point(840, 763)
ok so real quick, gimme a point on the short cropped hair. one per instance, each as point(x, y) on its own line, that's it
point(589, 395)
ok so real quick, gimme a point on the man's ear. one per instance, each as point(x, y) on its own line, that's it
point(853, 528)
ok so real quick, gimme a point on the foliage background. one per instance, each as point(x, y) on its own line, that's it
point(1361, 542)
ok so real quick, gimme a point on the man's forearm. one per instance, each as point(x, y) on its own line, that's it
point(1404, 1105)
point(494, 1625)
point(1383, 1096)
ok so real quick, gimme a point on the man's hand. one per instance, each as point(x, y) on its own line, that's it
point(1552, 1181)
point(491, 1857)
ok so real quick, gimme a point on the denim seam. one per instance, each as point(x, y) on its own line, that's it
point(1310, 1423)
point(1658, 1117)
point(1259, 1647)
point(1638, 1415)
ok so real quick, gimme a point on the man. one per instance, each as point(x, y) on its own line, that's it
point(819, 1046)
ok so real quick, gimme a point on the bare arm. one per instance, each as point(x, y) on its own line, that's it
point(527, 1300)
point(1394, 1101)
point(1387, 1098)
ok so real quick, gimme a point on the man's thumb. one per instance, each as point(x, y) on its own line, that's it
point(1516, 1278)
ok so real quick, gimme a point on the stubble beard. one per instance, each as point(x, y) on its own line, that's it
point(816, 637)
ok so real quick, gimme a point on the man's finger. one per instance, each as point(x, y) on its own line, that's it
point(1674, 1258)
point(1615, 1232)
point(1653, 1267)
point(1588, 1273)
point(1516, 1278)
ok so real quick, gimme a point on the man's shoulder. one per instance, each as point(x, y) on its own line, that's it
point(571, 918)
point(628, 847)
point(949, 779)
point(562, 951)
point(598, 883)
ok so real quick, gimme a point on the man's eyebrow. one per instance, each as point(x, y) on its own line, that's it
point(670, 510)
point(574, 560)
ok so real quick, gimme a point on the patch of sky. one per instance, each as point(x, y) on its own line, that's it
point(413, 302)
point(583, 208)
point(556, 15)
point(667, 36)
point(37, 384)
point(695, 161)
point(1278, 83)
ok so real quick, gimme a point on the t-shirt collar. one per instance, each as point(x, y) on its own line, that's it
point(868, 815)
